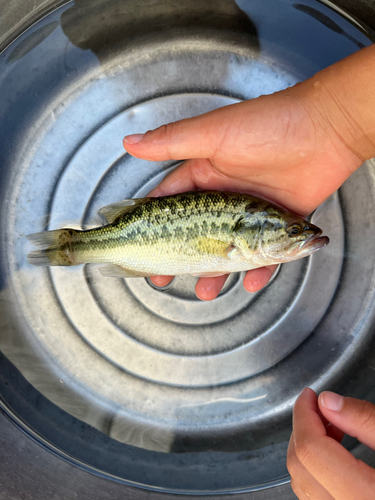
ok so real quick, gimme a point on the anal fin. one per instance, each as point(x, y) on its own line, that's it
point(208, 275)
point(117, 271)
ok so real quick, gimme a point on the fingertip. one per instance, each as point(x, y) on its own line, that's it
point(130, 148)
point(256, 279)
point(155, 193)
point(209, 288)
point(306, 396)
point(307, 392)
point(331, 401)
point(307, 421)
point(205, 289)
point(206, 295)
point(132, 139)
point(161, 281)
point(139, 148)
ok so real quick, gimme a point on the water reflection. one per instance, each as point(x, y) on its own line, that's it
point(328, 22)
point(110, 27)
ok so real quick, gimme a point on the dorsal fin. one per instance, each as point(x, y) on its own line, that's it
point(111, 212)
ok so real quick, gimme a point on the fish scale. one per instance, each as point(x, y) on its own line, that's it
point(202, 233)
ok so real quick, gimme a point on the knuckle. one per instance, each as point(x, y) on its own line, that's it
point(164, 132)
point(163, 135)
point(157, 133)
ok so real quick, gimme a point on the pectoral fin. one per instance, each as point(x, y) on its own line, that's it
point(111, 212)
point(116, 271)
point(214, 247)
point(220, 249)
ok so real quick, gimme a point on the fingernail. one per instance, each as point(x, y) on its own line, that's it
point(331, 401)
point(133, 139)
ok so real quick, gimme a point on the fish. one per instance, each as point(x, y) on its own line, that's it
point(202, 233)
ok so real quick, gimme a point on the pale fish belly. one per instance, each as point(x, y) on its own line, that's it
point(175, 260)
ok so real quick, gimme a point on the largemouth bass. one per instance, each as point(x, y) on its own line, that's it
point(200, 233)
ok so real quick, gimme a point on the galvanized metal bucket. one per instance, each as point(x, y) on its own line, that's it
point(153, 388)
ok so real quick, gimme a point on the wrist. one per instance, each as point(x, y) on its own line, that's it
point(341, 102)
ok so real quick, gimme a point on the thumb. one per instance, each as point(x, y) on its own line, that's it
point(353, 416)
point(197, 137)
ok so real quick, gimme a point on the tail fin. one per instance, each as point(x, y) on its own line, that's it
point(55, 248)
point(56, 238)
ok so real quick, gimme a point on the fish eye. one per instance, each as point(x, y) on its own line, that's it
point(294, 229)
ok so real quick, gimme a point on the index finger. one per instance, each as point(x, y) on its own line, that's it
point(306, 409)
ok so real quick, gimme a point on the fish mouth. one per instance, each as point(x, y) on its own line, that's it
point(315, 243)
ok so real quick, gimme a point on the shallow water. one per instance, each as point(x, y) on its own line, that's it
point(155, 387)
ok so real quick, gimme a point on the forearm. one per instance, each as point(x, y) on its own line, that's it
point(344, 96)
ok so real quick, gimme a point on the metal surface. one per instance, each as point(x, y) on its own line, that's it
point(154, 387)
point(30, 472)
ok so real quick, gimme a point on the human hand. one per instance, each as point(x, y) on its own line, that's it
point(320, 468)
point(289, 147)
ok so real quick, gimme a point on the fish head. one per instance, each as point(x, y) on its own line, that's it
point(302, 238)
point(292, 238)
point(276, 236)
